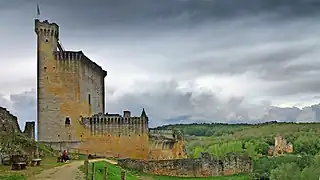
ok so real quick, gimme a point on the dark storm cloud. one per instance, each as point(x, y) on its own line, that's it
point(99, 13)
point(127, 11)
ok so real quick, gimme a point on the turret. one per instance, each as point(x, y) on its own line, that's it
point(144, 116)
point(47, 40)
point(47, 33)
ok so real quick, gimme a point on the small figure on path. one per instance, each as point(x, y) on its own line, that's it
point(65, 156)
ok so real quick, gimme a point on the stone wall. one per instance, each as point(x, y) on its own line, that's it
point(203, 167)
point(91, 82)
point(71, 146)
point(29, 130)
point(165, 144)
point(65, 80)
point(8, 122)
point(114, 124)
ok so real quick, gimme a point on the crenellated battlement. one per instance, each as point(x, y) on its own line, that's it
point(116, 118)
point(46, 29)
point(113, 120)
point(67, 55)
point(111, 123)
point(80, 57)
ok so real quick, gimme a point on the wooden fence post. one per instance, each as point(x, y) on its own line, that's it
point(105, 173)
point(86, 168)
point(93, 171)
point(123, 175)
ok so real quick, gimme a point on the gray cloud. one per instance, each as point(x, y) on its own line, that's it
point(23, 105)
point(256, 52)
point(270, 65)
point(166, 103)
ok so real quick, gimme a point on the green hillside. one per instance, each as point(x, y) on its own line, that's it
point(254, 140)
point(303, 136)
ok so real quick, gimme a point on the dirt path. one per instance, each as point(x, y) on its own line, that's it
point(69, 171)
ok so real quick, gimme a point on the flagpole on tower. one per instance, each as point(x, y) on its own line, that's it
point(38, 9)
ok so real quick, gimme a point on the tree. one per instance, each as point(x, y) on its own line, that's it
point(310, 173)
point(250, 149)
point(313, 171)
point(286, 171)
point(197, 152)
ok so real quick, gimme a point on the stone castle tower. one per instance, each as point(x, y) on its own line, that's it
point(71, 104)
point(69, 85)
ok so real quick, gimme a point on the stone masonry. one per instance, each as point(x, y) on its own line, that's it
point(205, 166)
point(69, 85)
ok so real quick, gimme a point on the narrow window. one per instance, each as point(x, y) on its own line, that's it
point(89, 99)
point(67, 122)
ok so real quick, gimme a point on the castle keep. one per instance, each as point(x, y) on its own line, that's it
point(71, 107)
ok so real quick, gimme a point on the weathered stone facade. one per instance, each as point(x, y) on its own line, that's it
point(166, 144)
point(71, 105)
point(121, 136)
point(203, 167)
point(69, 86)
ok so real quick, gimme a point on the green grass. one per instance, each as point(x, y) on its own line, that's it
point(7, 174)
point(114, 173)
point(13, 177)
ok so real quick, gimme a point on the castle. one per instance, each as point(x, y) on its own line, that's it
point(71, 107)
point(280, 146)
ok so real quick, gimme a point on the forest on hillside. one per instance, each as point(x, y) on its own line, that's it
point(254, 140)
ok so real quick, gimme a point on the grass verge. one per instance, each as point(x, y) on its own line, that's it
point(7, 174)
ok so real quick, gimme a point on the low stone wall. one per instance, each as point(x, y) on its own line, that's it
point(202, 167)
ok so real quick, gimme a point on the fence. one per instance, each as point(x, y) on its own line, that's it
point(105, 171)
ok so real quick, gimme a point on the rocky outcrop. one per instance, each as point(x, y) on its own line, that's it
point(9, 124)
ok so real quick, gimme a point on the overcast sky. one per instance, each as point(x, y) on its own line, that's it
point(182, 60)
